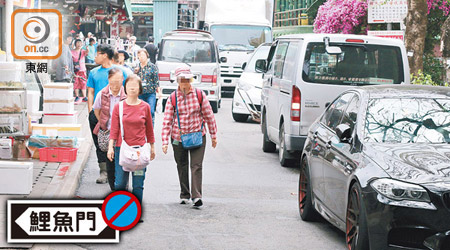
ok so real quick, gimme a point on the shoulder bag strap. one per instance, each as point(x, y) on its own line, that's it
point(197, 91)
point(176, 108)
point(121, 117)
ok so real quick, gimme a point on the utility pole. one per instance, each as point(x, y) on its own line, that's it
point(7, 17)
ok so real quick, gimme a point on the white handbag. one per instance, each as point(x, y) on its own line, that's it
point(132, 158)
point(159, 106)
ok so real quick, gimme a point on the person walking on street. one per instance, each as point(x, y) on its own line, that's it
point(132, 49)
point(138, 130)
point(104, 104)
point(78, 56)
point(64, 64)
point(148, 72)
point(92, 51)
point(151, 49)
point(120, 57)
point(98, 79)
point(187, 109)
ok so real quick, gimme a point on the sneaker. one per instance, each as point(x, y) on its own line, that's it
point(78, 100)
point(197, 202)
point(184, 201)
point(85, 99)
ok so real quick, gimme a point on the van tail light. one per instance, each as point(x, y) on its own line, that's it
point(214, 80)
point(296, 103)
point(164, 77)
point(210, 79)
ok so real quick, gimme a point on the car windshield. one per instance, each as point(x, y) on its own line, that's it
point(240, 37)
point(358, 64)
point(188, 51)
point(408, 120)
point(260, 53)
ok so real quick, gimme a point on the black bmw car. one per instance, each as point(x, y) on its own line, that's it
point(376, 165)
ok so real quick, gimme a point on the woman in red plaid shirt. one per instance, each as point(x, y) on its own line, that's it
point(194, 110)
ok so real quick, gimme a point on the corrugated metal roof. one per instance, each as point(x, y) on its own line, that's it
point(165, 13)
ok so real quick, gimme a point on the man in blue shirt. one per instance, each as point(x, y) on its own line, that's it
point(98, 79)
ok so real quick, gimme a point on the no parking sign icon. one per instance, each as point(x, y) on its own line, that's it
point(121, 210)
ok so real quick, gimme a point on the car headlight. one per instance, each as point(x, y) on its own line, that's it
point(399, 191)
point(245, 86)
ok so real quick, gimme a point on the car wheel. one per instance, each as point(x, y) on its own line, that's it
point(268, 146)
point(305, 206)
point(282, 152)
point(356, 222)
point(214, 106)
point(240, 117)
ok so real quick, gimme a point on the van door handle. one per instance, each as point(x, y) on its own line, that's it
point(270, 81)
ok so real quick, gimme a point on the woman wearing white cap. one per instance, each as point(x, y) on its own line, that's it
point(188, 108)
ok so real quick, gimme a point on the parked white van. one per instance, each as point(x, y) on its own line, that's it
point(304, 72)
point(197, 49)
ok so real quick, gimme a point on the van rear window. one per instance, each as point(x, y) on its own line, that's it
point(188, 51)
point(358, 64)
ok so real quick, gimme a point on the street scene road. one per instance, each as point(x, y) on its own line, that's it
point(250, 201)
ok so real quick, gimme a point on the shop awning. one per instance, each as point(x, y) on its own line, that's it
point(128, 8)
point(142, 8)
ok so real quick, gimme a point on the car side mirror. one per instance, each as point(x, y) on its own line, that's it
point(243, 65)
point(260, 66)
point(223, 59)
point(344, 132)
point(172, 77)
point(327, 104)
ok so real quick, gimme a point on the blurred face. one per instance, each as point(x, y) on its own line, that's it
point(184, 83)
point(132, 40)
point(101, 57)
point(133, 88)
point(142, 57)
point(69, 40)
point(78, 45)
point(121, 59)
point(115, 82)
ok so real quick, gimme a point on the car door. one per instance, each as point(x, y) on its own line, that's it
point(267, 81)
point(318, 136)
point(343, 160)
point(286, 82)
point(329, 176)
point(273, 109)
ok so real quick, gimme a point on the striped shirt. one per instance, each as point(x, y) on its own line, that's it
point(191, 117)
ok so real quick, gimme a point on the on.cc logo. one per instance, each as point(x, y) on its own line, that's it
point(36, 29)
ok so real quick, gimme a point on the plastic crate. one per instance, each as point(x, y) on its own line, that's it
point(58, 154)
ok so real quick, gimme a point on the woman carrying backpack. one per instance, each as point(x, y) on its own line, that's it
point(188, 108)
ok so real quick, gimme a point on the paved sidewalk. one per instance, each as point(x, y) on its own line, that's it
point(53, 180)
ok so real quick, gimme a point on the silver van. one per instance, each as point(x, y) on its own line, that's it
point(304, 72)
point(197, 49)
